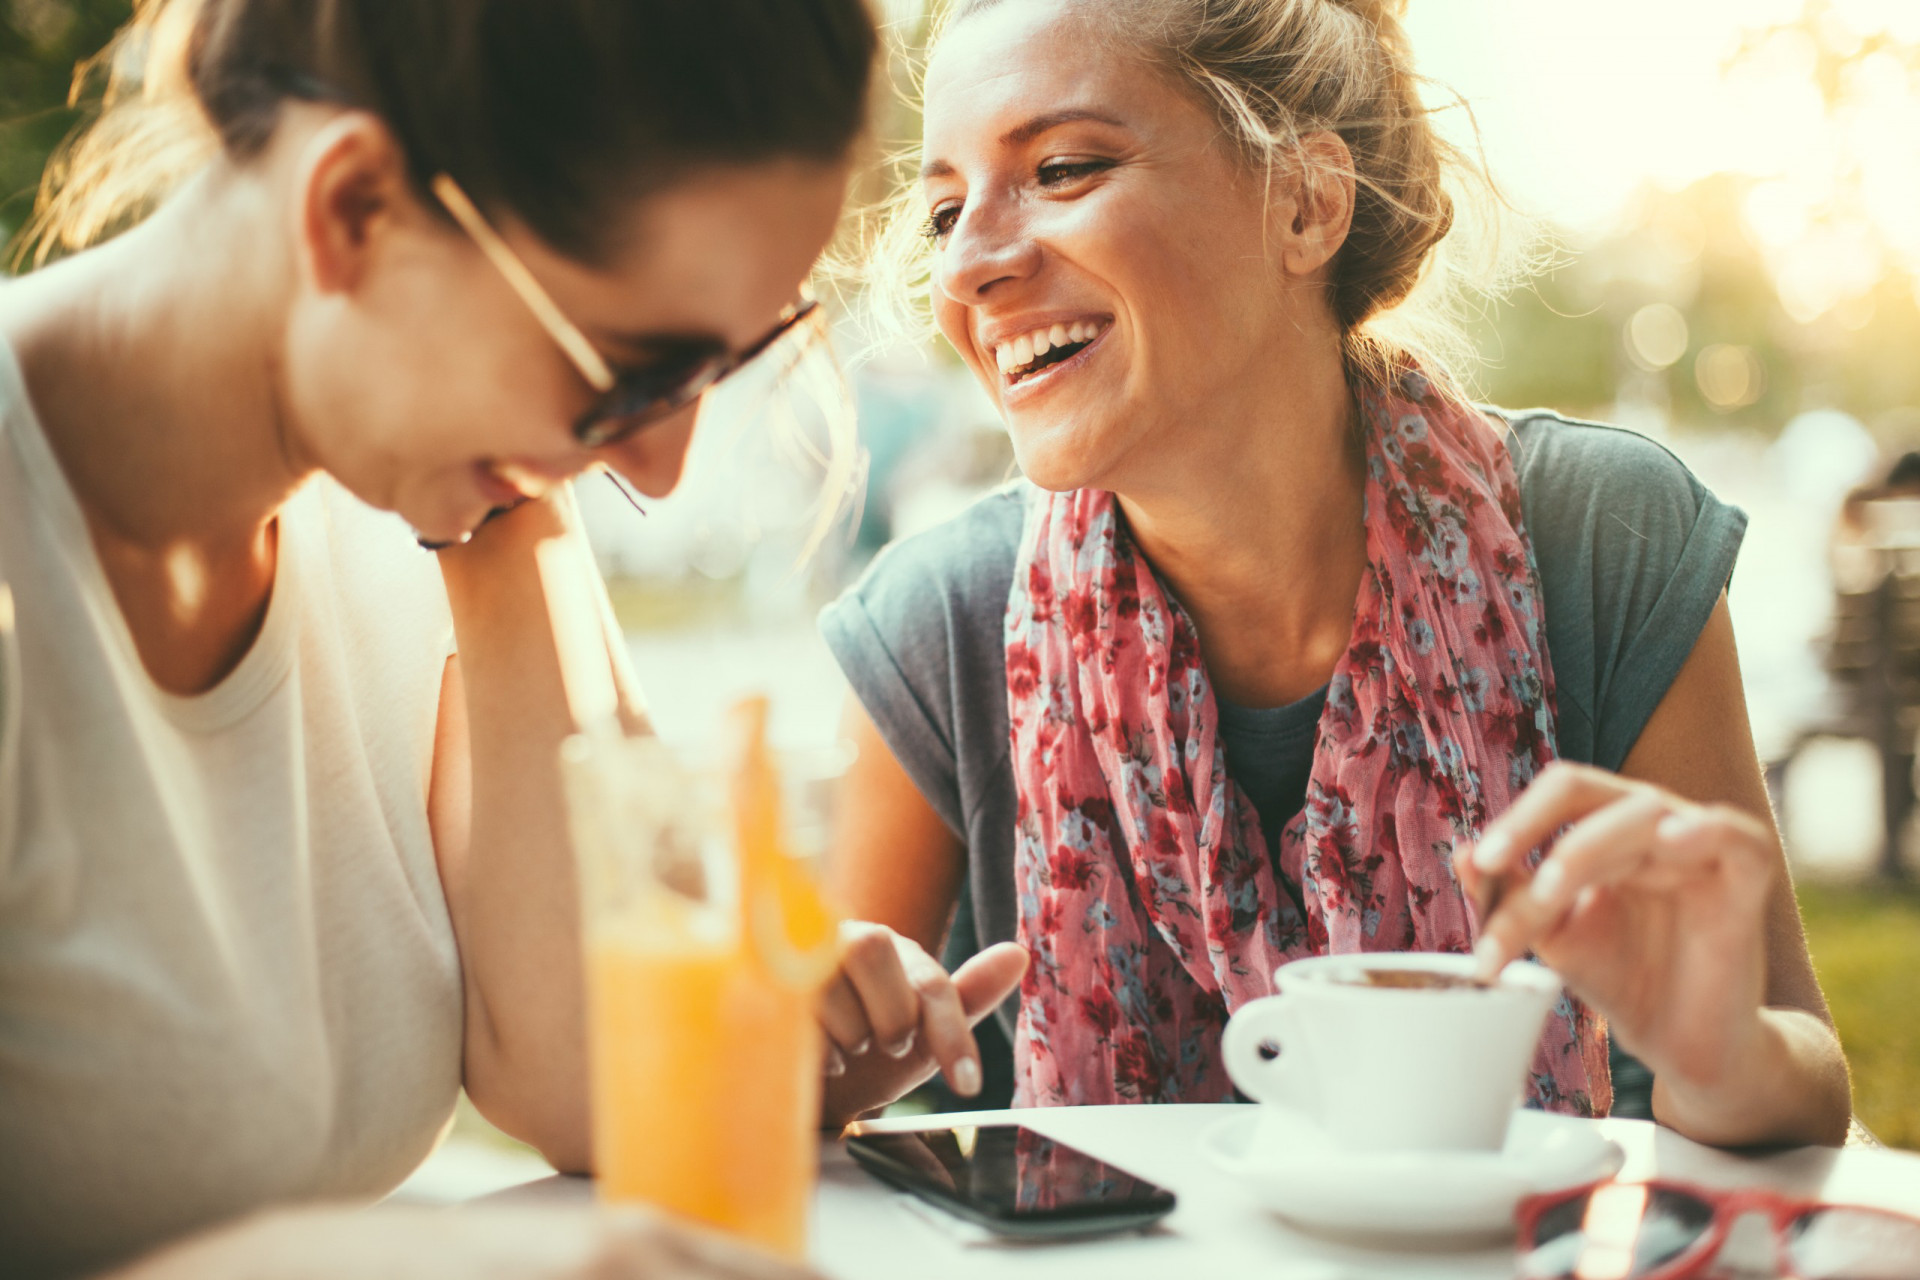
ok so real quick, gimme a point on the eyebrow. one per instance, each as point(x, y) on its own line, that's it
point(1026, 132)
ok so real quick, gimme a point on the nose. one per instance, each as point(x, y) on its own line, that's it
point(652, 459)
point(989, 246)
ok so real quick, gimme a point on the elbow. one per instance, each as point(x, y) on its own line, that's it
point(568, 1154)
point(547, 1111)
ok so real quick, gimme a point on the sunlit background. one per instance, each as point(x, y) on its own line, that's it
point(1732, 192)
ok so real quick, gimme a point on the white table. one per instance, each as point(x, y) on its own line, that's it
point(864, 1230)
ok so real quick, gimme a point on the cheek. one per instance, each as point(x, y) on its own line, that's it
point(433, 392)
point(1185, 264)
point(951, 318)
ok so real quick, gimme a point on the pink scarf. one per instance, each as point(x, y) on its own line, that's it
point(1146, 894)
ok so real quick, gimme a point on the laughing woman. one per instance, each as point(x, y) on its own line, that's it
point(1278, 625)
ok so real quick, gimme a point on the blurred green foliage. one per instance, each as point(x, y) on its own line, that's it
point(41, 41)
point(1563, 339)
point(1865, 942)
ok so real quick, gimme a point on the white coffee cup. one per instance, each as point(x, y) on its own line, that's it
point(1385, 1068)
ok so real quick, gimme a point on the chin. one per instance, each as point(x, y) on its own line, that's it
point(1057, 458)
point(433, 516)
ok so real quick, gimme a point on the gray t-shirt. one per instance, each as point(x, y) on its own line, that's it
point(1634, 552)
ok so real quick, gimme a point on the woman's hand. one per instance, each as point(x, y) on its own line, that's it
point(471, 1244)
point(1654, 910)
point(893, 1016)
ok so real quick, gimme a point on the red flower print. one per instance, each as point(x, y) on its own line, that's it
point(1072, 868)
point(1135, 1071)
point(1023, 672)
point(1101, 1011)
point(1079, 612)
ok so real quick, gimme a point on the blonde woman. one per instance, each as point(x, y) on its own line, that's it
point(282, 864)
point(1281, 647)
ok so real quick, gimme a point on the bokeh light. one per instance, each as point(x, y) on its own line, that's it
point(1657, 336)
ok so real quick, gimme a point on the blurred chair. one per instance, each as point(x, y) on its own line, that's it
point(1872, 649)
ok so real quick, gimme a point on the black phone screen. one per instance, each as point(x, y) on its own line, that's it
point(1008, 1173)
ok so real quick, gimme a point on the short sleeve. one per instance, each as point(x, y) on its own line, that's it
point(1634, 553)
point(919, 638)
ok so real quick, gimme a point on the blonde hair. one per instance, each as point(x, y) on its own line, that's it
point(150, 135)
point(1275, 72)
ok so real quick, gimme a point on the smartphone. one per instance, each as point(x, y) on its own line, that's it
point(1011, 1180)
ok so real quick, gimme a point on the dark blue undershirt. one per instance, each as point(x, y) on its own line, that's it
point(1270, 754)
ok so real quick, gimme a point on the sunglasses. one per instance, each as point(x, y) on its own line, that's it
point(1673, 1231)
point(631, 398)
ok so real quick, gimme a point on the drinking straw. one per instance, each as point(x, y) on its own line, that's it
point(626, 681)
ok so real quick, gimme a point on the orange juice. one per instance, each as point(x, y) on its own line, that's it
point(706, 1094)
point(706, 943)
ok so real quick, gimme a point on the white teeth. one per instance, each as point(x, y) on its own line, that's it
point(1027, 348)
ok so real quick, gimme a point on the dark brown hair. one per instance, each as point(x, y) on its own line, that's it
point(553, 111)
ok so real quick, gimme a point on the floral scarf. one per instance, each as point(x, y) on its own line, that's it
point(1147, 896)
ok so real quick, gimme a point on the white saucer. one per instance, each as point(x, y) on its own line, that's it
point(1421, 1197)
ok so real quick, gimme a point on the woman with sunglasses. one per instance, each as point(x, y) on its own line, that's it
point(282, 861)
point(1279, 624)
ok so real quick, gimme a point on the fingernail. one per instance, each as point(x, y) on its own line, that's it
point(1671, 827)
point(1549, 881)
point(966, 1077)
point(901, 1047)
point(1486, 957)
point(836, 1065)
point(862, 1047)
point(1489, 852)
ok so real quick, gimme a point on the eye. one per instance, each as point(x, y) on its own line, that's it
point(673, 367)
point(1068, 170)
point(940, 222)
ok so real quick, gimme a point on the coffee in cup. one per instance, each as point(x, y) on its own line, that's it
point(1394, 1050)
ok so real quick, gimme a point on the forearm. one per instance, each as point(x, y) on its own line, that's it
point(1786, 1084)
point(516, 910)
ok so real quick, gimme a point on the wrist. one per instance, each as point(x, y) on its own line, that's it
point(496, 568)
point(1711, 1099)
point(1772, 1083)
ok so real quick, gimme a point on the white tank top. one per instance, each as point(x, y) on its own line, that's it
point(227, 974)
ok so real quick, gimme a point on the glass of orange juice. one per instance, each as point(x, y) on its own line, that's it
point(706, 941)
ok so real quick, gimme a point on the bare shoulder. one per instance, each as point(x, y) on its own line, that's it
point(1698, 743)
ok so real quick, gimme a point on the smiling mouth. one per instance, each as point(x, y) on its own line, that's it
point(1022, 357)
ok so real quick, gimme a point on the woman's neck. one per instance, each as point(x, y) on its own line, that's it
point(1261, 536)
point(152, 369)
point(150, 361)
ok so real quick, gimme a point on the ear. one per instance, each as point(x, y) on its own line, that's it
point(1315, 213)
point(352, 189)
